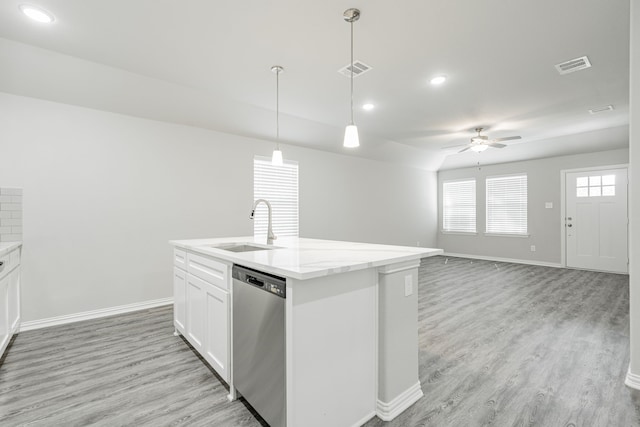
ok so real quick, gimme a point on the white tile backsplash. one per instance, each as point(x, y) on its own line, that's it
point(10, 214)
point(11, 206)
point(11, 191)
point(15, 222)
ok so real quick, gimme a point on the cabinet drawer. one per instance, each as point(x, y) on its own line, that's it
point(14, 258)
point(8, 262)
point(209, 270)
point(5, 264)
point(180, 258)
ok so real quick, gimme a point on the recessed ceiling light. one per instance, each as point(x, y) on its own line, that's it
point(37, 14)
point(438, 80)
point(368, 107)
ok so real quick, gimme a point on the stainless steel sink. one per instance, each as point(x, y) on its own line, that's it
point(242, 247)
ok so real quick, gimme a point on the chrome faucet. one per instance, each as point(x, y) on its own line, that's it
point(270, 236)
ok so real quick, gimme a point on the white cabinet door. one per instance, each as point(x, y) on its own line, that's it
point(216, 345)
point(179, 299)
point(201, 309)
point(5, 334)
point(195, 311)
point(13, 299)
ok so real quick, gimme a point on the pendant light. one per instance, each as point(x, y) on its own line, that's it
point(276, 159)
point(351, 139)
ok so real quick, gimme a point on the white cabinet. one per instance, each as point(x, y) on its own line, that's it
point(195, 311)
point(9, 297)
point(179, 299)
point(13, 310)
point(5, 335)
point(216, 343)
point(201, 306)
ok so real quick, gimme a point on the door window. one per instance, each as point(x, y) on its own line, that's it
point(596, 186)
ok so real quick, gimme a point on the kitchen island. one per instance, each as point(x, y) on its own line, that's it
point(351, 320)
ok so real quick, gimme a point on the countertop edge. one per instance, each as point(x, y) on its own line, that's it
point(229, 257)
point(6, 247)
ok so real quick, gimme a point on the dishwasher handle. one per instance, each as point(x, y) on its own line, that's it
point(254, 281)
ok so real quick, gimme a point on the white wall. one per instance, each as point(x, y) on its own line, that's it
point(634, 197)
point(544, 185)
point(103, 193)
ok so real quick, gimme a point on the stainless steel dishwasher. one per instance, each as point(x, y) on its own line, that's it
point(259, 342)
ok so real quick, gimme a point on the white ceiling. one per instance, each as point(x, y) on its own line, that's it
point(207, 63)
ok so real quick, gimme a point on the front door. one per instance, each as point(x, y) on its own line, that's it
point(596, 223)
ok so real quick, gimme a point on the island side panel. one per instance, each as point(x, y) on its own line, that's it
point(332, 349)
point(398, 380)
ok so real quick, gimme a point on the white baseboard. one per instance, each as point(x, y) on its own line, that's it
point(498, 259)
point(387, 411)
point(94, 314)
point(364, 420)
point(632, 380)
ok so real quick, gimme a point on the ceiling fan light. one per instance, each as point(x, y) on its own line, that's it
point(479, 148)
point(37, 14)
point(276, 159)
point(351, 139)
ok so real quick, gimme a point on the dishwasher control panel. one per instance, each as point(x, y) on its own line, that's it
point(265, 281)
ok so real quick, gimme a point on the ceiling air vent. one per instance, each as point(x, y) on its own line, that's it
point(601, 109)
point(573, 65)
point(359, 68)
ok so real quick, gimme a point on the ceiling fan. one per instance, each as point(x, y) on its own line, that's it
point(480, 143)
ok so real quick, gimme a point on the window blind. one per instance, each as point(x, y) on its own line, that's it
point(278, 185)
point(459, 206)
point(507, 205)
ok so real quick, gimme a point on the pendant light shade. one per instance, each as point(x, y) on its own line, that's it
point(351, 139)
point(276, 159)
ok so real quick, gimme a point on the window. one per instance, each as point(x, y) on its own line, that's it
point(459, 206)
point(596, 186)
point(507, 205)
point(278, 185)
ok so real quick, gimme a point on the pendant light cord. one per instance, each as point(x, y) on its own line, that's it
point(278, 109)
point(351, 72)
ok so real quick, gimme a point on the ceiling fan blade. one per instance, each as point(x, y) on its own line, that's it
point(464, 149)
point(495, 145)
point(508, 138)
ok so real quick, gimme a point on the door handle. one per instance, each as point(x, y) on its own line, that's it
point(569, 225)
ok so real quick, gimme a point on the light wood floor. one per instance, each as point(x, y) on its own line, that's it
point(500, 344)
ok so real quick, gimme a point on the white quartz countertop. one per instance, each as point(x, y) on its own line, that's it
point(301, 258)
point(6, 247)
